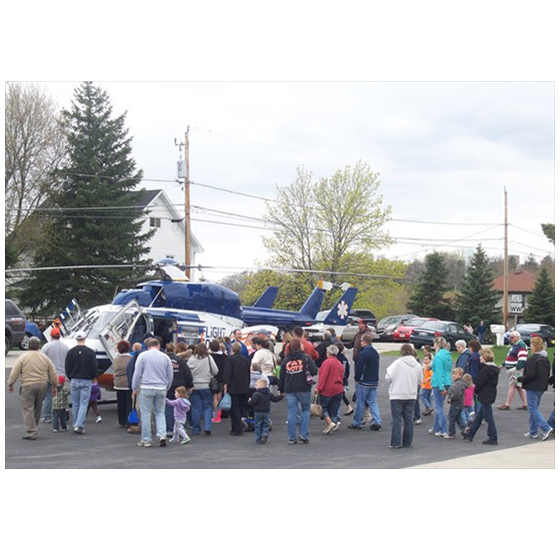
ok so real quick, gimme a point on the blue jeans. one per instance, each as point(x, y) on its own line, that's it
point(426, 398)
point(59, 419)
point(151, 399)
point(201, 409)
point(484, 413)
point(331, 406)
point(402, 424)
point(262, 425)
point(551, 419)
point(80, 390)
point(536, 419)
point(456, 417)
point(440, 421)
point(366, 395)
point(466, 413)
point(295, 400)
point(47, 403)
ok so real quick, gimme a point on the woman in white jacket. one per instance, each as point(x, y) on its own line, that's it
point(404, 376)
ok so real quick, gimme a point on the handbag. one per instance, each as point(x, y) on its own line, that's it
point(214, 385)
point(225, 402)
point(315, 408)
point(133, 420)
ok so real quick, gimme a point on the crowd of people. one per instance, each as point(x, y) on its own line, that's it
point(180, 389)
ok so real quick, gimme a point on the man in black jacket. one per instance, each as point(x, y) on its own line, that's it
point(81, 368)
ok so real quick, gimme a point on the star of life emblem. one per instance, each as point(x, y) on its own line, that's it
point(342, 310)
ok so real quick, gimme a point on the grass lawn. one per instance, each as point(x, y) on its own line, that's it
point(500, 353)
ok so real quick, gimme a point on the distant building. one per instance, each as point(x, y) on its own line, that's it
point(520, 285)
point(168, 240)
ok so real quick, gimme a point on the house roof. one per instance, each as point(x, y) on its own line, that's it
point(145, 197)
point(518, 281)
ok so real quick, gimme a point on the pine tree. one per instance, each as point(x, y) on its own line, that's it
point(95, 222)
point(477, 300)
point(427, 299)
point(541, 302)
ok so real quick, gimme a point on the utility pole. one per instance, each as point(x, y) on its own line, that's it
point(187, 208)
point(506, 262)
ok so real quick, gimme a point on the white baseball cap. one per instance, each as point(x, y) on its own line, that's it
point(81, 335)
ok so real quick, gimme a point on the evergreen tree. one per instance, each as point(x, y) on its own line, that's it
point(95, 222)
point(428, 296)
point(541, 302)
point(477, 300)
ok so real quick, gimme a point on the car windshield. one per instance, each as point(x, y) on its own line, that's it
point(528, 328)
point(435, 325)
point(415, 322)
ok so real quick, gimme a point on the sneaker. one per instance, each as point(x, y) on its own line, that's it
point(418, 421)
point(440, 434)
point(216, 420)
point(547, 434)
point(375, 427)
point(163, 442)
point(46, 420)
point(55, 431)
point(428, 411)
point(79, 430)
point(292, 441)
point(489, 442)
point(302, 440)
point(329, 428)
point(264, 439)
point(354, 427)
point(394, 446)
point(338, 424)
point(144, 444)
point(532, 436)
point(64, 429)
point(185, 440)
point(98, 420)
point(447, 436)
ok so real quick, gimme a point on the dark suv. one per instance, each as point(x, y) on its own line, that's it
point(15, 326)
point(365, 314)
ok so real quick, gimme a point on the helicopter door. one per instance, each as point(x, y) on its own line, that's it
point(124, 324)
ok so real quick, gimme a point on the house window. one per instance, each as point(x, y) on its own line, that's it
point(155, 222)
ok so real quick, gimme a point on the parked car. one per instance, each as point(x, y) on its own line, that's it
point(15, 326)
point(546, 332)
point(387, 325)
point(402, 333)
point(450, 330)
point(365, 314)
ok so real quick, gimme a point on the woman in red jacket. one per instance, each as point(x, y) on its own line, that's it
point(330, 387)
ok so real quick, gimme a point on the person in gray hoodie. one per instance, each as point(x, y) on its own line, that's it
point(404, 376)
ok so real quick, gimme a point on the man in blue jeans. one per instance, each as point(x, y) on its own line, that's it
point(153, 376)
point(80, 367)
point(366, 376)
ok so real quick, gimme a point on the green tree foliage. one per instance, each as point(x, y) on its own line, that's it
point(548, 230)
point(428, 295)
point(319, 224)
point(541, 302)
point(477, 299)
point(92, 222)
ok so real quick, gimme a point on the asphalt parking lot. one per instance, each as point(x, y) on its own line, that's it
point(105, 445)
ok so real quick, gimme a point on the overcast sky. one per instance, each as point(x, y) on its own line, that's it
point(445, 152)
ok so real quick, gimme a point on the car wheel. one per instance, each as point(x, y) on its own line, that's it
point(7, 345)
point(24, 345)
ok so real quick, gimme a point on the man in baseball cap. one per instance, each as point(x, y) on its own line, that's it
point(81, 369)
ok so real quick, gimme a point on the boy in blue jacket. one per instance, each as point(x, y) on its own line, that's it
point(260, 402)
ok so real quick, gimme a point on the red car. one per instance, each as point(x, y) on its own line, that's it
point(402, 333)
